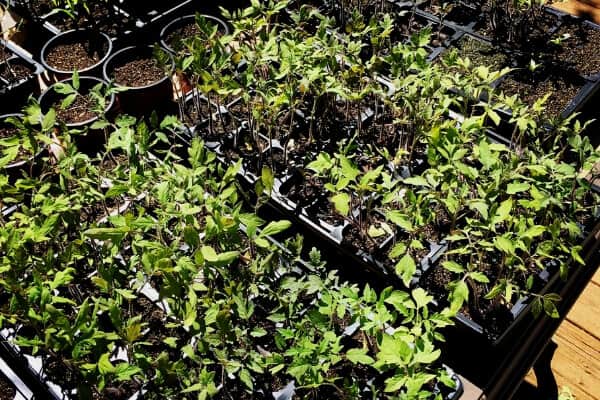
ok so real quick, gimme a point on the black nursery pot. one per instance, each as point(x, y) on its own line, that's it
point(186, 20)
point(14, 91)
point(102, 45)
point(92, 140)
point(140, 100)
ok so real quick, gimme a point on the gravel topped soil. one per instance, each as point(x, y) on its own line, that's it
point(7, 389)
point(581, 48)
point(529, 91)
point(74, 56)
point(15, 71)
point(139, 72)
point(79, 111)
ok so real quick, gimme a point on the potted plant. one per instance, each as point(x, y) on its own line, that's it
point(144, 82)
point(79, 104)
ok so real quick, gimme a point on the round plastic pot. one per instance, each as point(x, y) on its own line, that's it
point(92, 140)
point(140, 100)
point(99, 39)
point(187, 20)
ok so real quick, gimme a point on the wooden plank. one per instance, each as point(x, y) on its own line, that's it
point(579, 9)
point(587, 309)
point(471, 392)
point(596, 277)
point(576, 362)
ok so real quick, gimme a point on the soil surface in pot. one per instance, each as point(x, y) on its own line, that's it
point(494, 317)
point(141, 71)
point(529, 90)
point(196, 111)
point(536, 37)
point(357, 239)
point(14, 72)
point(82, 109)
point(176, 38)
point(7, 389)
point(580, 49)
point(75, 56)
point(482, 54)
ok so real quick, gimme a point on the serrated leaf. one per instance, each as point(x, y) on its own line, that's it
point(453, 266)
point(341, 202)
point(505, 245)
point(518, 187)
point(406, 268)
point(359, 356)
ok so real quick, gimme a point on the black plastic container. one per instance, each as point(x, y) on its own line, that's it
point(88, 140)
point(102, 45)
point(15, 89)
point(140, 100)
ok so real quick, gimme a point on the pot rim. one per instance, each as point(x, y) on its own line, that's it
point(108, 106)
point(52, 41)
point(107, 78)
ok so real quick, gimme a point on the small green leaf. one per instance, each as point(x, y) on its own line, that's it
point(341, 201)
point(406, 268)
point(518, 187)
point(453, 266)
point(359, 356)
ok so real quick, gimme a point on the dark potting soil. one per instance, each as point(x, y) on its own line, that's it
point(7, 132)
point(138, 72)
point(4, 53)
point(562, 91)
point(196, 111)
point(41, 7)
point(356, 239)
point(7, 389)
point(482, 54)
point(75, 56)
point(14, 72)
point(581, 49)
point(537, 35)
point(82, 109)
point(494, 317)
point(176, 39)
point(305, 191)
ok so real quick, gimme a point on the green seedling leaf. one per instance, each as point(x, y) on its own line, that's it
point(222, 259)
point(49, 120)
point(341, 201)
point(359, 356)
point(267, 179)
point(453, 266)
point(505, 245)
point(275, 227)
point(104, 365)
point(421, 297)
point(518, 187)
point(112, 234)
point(406, 268)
